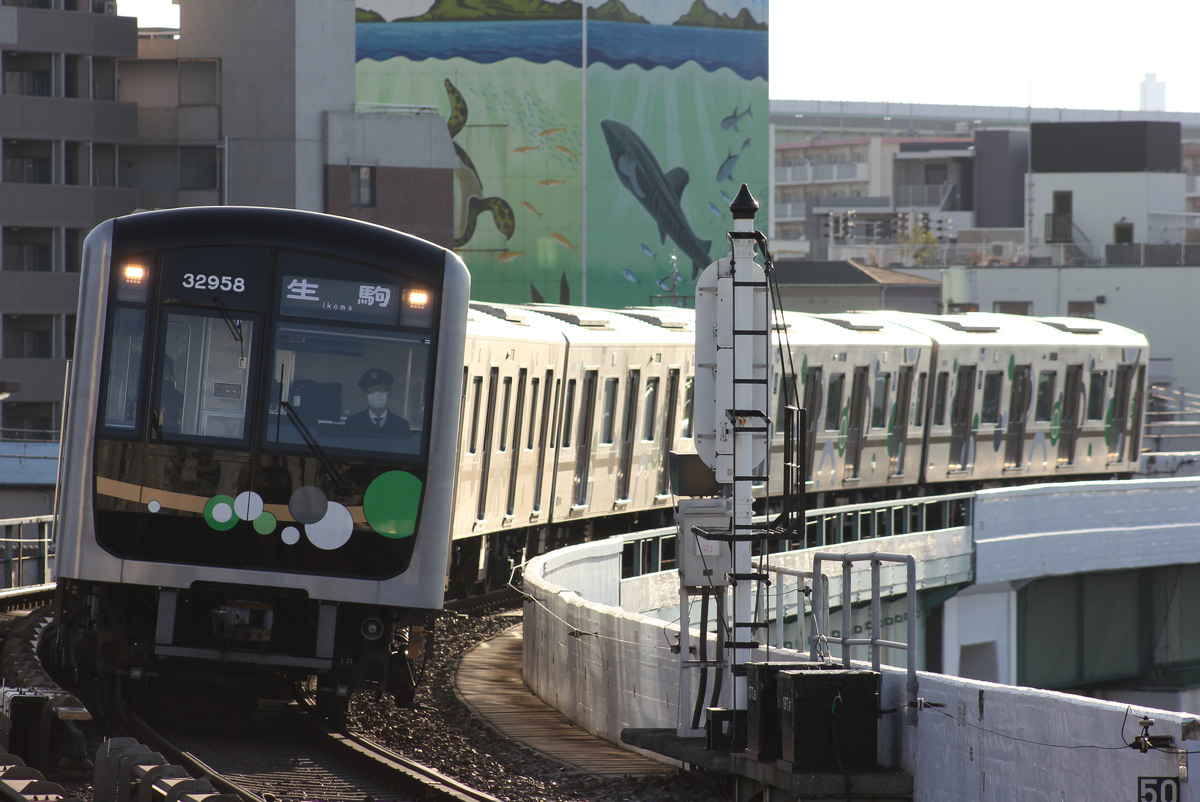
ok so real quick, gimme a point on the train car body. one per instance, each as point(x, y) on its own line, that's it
point(221, 497)
point(568, 415)
point(896, 404)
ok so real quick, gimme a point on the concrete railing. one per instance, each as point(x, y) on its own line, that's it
point(608, 669)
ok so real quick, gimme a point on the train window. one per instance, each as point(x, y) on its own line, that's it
point(568, 414)
point(879, 404)
point(1044, 409)
point(812, 404)
point(503, 446)
point(1096, 387)
point(541, 464)
point(689, 401)
point(919, 409)
point(533, 402)
point(477, 400)
point(939, 398)
point(649, 408)
point(514, 466)
point(583, 446)
point(668, 429)
point(993, 384)
point(124, 369)
point(203, 383)
point(358, 389)
point(608, 416)
point(833, 403)
point(489, 422)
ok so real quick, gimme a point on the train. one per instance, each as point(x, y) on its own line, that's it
point(290, 437)
point(571, 415)
point(215, 504)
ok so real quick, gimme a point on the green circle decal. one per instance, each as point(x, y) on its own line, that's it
point(218, 512)
point(265, 523)
point(391, 502)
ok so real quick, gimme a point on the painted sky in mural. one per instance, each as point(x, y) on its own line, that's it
point(651, 159)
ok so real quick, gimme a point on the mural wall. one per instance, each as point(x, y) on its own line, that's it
point(633, 168)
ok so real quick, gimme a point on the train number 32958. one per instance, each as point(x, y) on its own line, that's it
point(201, 281)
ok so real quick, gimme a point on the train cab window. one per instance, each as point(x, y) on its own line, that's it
point(124, 370)
point(939, 398)
point(1097, 384)
point(1044, 409)
point(203, 382)
point(355, 389)
point(879, 402)
point(993, 384)
point(833, 403)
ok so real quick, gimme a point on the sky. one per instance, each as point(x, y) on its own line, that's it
point(1044, 53)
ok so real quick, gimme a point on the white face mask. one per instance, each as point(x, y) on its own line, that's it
point(377, 400)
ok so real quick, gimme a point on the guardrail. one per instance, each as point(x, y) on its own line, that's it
point(26, 551)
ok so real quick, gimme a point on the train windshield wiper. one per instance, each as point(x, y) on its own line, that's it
point(235, 329)
point(340, 483)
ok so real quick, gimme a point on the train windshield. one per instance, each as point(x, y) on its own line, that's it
point(351, 359)
point(347, 388)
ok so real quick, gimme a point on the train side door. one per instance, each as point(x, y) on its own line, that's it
point(1069, 426)
point(854, 427)
point(900, 416)
point(813, 396)
point(1120, 414)
point(1018, 412)
point(960, 419)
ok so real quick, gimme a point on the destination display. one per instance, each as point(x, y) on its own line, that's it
point(330, 299)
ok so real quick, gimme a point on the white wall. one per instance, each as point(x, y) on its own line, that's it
point(1101, 199)
point(607, 669)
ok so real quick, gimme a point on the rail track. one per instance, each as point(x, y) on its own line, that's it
point(237, 740)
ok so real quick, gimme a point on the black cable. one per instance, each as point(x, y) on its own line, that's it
point(1023, 740)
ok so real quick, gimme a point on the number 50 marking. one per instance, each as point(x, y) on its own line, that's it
point(1158, 789)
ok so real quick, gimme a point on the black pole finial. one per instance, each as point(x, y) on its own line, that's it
point(744, 206)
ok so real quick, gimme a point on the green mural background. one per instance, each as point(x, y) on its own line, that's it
point(665, 150)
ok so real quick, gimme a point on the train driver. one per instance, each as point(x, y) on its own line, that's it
point(376, 386)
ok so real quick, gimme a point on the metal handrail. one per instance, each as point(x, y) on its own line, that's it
point(817, 627)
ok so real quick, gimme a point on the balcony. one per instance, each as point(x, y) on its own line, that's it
point(822, 173)
point(71, 119)
point(797, 210)
point(58, 205)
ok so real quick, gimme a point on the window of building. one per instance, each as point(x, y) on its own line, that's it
point(1013, 307)
point(362, 185)
point(1081, 308)
point(28, 336)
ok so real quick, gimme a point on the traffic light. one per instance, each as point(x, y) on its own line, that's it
point(902, 224)
point(925, 221)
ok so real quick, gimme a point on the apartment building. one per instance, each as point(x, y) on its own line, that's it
point(61, 130)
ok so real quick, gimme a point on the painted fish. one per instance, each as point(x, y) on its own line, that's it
point(550, 182)
point(665, 284)
point(567, 151)
point(658, 192)
point(733, 119)
point(561, 240)
point(725, 197)
point(712, 207)
point(552, 131)
point(725, 171)
point(529, 206)
point(508, 256)
point(646, 250)
point(525, 148)
point(628, 274)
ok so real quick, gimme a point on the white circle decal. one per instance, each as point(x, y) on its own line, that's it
point(332, 531)
point(290, 535)
point(154, 506)
point(222, 512)
point(248, 506)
